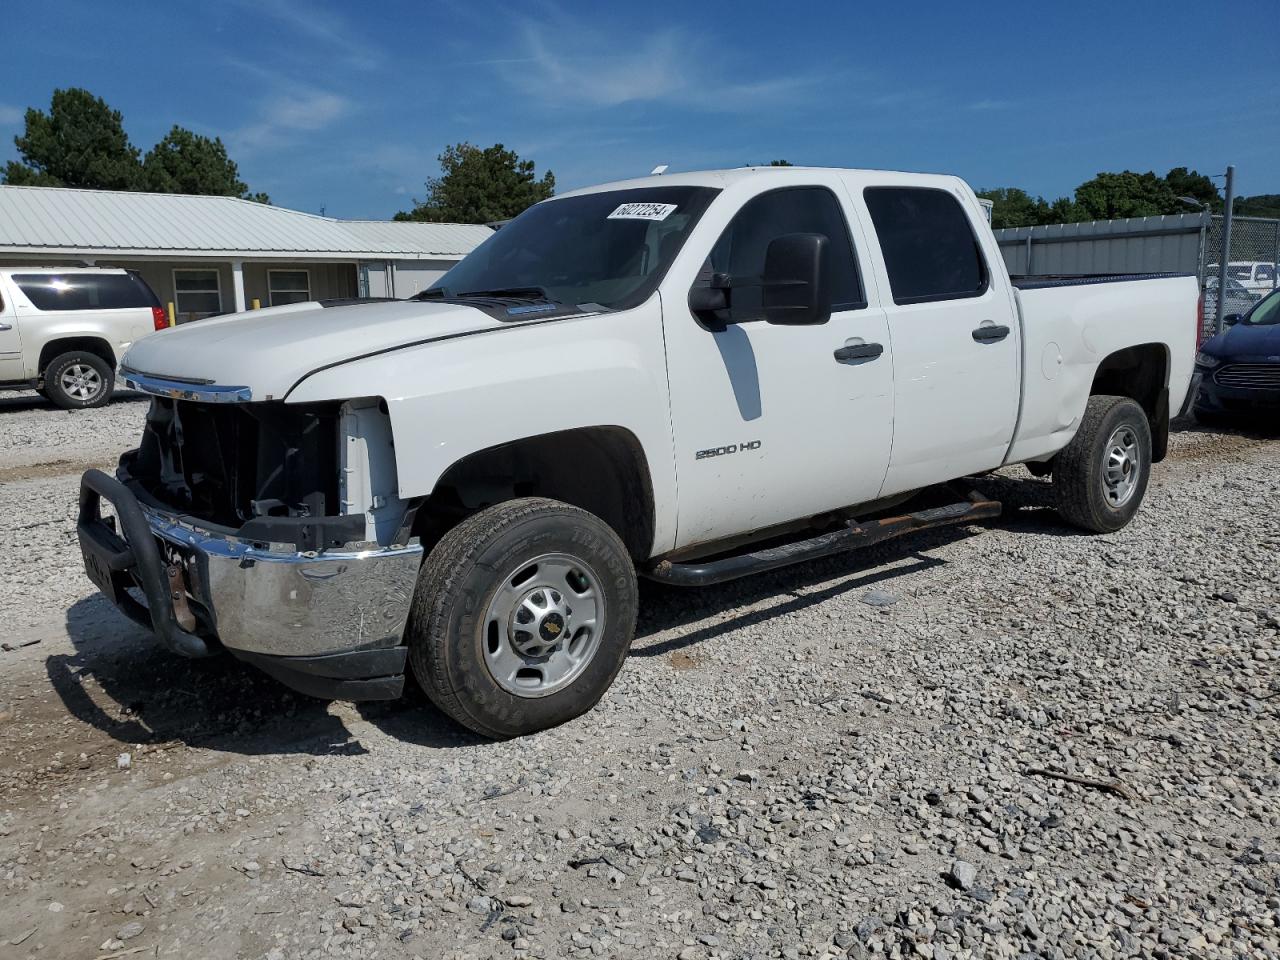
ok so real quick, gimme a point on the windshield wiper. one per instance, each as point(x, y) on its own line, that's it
point(509, 293)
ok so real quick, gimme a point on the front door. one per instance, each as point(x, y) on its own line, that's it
point(956, 362)
point(10, 341)
point(769, 424)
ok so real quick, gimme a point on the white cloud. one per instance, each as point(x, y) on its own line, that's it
point(567, 63)
point(323, 26)
point(283, 114)
point(10, 116)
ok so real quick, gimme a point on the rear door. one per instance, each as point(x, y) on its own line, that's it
point(10, 338)
point(770, 424)
point(952, 322)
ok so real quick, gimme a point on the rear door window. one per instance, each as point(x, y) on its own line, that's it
point(85, 291)
point(929, 247)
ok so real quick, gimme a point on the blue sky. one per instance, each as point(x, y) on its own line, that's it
point(346, 106)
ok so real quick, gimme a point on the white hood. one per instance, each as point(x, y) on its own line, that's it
point(269, 351)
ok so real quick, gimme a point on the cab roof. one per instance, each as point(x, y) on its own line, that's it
point(728, 177)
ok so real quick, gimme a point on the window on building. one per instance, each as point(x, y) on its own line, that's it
point(197, 293)
point(740, 251)
point(288, 286)
point(929, 247)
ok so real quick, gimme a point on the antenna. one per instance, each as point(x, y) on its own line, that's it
point(658, 170)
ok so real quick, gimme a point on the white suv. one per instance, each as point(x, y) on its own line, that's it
point(63, 329)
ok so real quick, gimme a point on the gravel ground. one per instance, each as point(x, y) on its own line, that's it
point(1042, 744)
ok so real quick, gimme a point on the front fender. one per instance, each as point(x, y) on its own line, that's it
point(457, 397)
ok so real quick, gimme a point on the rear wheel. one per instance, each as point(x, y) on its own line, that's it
point(1100, 477)
point(78, 380)
point(522, 617)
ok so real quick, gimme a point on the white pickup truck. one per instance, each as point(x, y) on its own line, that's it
point(690, 378)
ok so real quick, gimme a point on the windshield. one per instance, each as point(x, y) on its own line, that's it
point(1240, 272)
point(599, 250)
point(1266, 312)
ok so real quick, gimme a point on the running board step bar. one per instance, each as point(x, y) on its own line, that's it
point(851, 537)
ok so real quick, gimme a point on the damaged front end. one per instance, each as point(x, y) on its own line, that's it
point(272, 529)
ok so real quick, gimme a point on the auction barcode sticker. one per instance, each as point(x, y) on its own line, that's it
point(643, 211)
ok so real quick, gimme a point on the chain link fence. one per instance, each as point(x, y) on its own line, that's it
point(1253, 263)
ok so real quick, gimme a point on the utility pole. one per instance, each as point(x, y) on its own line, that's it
point(1226, 248)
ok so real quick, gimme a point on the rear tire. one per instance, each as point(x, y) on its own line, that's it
point(1100, 477)
point(78, 380)
point(522, 617)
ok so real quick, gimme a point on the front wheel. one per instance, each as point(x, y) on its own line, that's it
point(522, 617)
point(1100, 477)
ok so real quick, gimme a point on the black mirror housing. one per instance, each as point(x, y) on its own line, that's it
point(797, 280)
point(1231, 319)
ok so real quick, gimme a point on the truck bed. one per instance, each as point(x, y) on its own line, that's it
point(1072, 324)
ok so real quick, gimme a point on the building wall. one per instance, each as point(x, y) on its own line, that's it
point(159, 277)
point(414, 276)
point(326, 279)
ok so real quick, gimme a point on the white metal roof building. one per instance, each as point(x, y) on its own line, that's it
point(217, 254)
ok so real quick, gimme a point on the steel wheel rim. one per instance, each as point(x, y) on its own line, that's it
point(543, 625)
point(80, 382)
point(1121, 466)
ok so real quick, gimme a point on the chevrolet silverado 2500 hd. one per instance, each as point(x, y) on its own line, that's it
point(688, 377)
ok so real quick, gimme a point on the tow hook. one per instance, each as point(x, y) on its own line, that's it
point(178, 594)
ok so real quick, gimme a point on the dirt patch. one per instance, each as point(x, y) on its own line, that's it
point(684, 660)
point(39, 471)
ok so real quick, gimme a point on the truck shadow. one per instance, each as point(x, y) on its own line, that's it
point(665, 608)
point(121, 682)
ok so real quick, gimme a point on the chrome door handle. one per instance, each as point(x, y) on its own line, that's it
point(5, 326)
point(859, 351)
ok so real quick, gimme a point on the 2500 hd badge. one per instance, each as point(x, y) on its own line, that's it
point(725, 451)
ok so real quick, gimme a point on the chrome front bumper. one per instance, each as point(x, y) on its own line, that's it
point(291, 604)
point(327, 622)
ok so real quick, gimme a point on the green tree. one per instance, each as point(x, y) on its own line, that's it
point(80, 142)
point(186, 162)
point(1262, 205)
point(780, 163)
point(1111, 196)
point(479, 186)
point(1014, 207)
point(1064, 210)
point(1188, 183)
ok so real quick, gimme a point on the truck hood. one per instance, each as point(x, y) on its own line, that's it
point(270, 350)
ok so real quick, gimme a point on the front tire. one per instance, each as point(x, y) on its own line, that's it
point(1100, 477)
point(77, 380)
point(522, 617)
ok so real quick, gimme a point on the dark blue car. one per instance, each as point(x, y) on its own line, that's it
point(1238, 370)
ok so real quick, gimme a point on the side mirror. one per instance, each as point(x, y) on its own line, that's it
point(796, 282)
point(1231, 319)
point(711, 297)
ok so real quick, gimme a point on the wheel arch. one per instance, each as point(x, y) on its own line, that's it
point(86, 344)
point(600, 469)
point(1141, 373)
